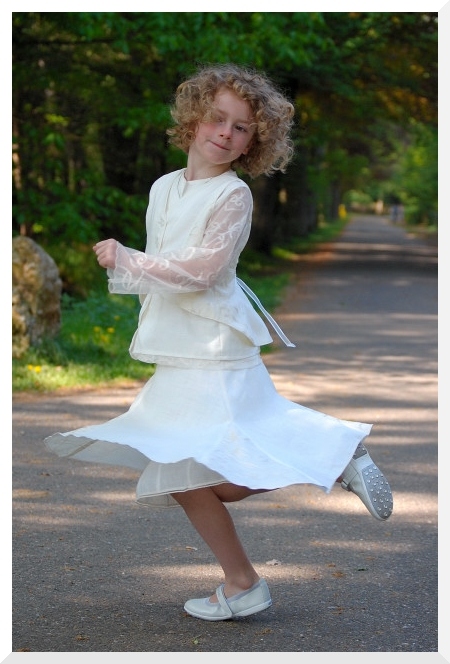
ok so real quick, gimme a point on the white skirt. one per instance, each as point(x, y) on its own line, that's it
point(191, 428)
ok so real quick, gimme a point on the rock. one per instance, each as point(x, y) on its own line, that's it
point(36, 296)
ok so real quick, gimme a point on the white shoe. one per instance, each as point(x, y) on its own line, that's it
point(257, 598)
point(367, 481)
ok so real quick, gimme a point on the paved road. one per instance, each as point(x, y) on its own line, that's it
point(95, 572)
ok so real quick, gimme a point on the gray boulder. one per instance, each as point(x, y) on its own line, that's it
point(36, 295)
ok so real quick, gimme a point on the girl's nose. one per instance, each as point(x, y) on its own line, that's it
point(225, 131)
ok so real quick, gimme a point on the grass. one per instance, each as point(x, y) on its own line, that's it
point(91, 349)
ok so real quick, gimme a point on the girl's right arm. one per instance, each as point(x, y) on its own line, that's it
point(193, 268)
point(106, 251)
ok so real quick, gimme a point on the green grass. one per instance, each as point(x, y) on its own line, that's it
point(91, 349)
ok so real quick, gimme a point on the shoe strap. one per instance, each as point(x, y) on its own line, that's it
point(223, 601)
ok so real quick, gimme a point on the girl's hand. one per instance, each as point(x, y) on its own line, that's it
point(106, 253)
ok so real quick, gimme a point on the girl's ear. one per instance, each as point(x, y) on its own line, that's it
point(248, 148)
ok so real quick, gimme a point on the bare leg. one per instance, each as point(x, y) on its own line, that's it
point(209, 516)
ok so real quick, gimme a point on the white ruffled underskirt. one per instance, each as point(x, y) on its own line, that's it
point(191, 428)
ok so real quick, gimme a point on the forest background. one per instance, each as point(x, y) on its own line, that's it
point(91, 96)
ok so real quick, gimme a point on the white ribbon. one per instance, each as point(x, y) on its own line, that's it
point(271, 320)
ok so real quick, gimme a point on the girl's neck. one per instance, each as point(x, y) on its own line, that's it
point(204, 171)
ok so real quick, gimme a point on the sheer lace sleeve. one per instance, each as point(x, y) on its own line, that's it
point(193, 268)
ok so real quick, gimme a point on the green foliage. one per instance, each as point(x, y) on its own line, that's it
point(78, 269)
point(90, 350)
point(417, 177)
point(91, 98)
point(67, 227)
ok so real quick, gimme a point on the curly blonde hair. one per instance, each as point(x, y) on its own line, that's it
point(271, 147)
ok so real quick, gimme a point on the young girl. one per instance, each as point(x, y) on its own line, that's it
point(209, 427)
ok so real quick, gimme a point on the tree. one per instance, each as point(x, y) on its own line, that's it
point(92, 91)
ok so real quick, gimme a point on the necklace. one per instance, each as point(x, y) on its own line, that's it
point(183, 184)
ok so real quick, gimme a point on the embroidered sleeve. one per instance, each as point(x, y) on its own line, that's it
point(193, 268)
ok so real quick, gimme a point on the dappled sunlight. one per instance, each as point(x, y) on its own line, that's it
point(112, 496)
point(410, 506)
point(381, 250)
point(416, 508)
point(285, 571)
point(308, 508)
point(29, 494)
point(350, 393)
point(342, 383)
point(55, 521)
point(271, 570)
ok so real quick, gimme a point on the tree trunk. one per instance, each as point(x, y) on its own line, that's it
point(298, 207)
point(265, 204)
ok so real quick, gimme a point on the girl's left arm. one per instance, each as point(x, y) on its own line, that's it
point(193, 268)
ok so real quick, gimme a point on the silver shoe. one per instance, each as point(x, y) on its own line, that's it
point(257, 598)
point(366, 480)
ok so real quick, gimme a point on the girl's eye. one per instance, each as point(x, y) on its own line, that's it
point(241, 128)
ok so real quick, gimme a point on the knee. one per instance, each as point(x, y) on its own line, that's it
point(226, 493)
point(232, 493)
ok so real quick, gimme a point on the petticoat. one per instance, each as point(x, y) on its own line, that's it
point(191, 428)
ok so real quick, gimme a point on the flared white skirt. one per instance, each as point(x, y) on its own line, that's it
point(191, 428)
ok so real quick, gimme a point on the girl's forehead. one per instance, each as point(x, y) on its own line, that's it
point(229, 100)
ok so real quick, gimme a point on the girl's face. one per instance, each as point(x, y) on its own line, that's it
point(228, 134)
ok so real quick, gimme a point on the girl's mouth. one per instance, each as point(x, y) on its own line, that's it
point(217, 145)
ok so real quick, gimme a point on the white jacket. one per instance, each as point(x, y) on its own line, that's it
point(192, 305)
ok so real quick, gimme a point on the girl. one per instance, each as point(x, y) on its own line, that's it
point(209, 427)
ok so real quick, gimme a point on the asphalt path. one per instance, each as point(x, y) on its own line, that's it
point(94, 572)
